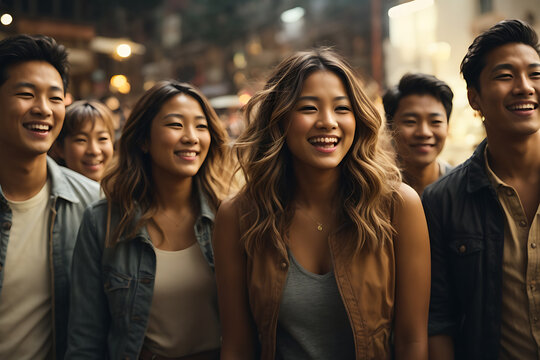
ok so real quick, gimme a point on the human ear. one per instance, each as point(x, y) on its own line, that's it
point(473, 97)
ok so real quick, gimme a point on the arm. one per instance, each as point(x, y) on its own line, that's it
point(442, 315)
point(89, 313)
point(441, 347)
point(412, 277)
point(238, 330)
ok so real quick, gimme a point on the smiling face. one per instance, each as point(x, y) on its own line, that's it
point(321, 123)
point(420, 128)
point(89, 150)
point(509, 85)
point(179, 138)
point(32, 103)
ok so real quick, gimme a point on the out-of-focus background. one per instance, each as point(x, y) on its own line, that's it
point(119, 48)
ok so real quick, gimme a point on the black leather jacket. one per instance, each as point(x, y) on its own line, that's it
point(466, 229)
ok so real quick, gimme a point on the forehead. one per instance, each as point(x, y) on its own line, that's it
point(323, 81)
point(91, 125)
point(516, 54)
point(181, 103)
point(37, 73)
point(420, 103)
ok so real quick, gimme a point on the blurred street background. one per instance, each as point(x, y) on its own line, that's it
point(119, 48)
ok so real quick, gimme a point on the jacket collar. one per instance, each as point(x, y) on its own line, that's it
point(477, 177)
point(59, 185)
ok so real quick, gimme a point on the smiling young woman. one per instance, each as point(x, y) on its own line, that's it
point(143, 281)
point(323, 253)
point(86, 142)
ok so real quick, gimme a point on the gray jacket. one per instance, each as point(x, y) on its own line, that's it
point(70, 194)
point(113, 286)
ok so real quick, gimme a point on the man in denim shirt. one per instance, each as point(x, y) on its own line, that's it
point(41, 203)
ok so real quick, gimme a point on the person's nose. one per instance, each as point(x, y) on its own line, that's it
point(189, 135)
point(423, 129)
point(327, 120)
point(41, 106)
point(93, 148)
point(523, 85)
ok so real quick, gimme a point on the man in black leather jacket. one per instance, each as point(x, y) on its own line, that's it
point(484, 216)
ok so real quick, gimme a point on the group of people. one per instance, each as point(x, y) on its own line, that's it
point(304, 239)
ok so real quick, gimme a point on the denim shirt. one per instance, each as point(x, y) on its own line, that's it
point(70, 194)
point(112, 287)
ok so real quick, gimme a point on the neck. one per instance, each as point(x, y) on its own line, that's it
point(316, 188)
point(418, 177)
point(514, 158)
point(21, 179)
point(172, 193)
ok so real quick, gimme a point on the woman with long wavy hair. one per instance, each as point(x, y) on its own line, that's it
point(143, 285)
point(324, 253)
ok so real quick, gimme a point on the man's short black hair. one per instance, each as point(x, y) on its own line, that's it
point(21, 48)
point(417, 84)
point(502, 33)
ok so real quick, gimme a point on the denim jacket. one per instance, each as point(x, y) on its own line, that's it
point(466, 230)
point(112, 287)
point(70, 194)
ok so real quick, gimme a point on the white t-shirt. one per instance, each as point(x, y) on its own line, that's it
point(25, 299)
point(183, 317)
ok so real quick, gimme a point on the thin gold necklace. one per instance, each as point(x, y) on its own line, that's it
point(318, 223)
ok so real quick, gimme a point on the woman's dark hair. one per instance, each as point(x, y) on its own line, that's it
point(502, 33)
point(128, 185)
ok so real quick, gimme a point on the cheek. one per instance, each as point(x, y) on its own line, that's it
point(107, 150)
point(73, 153)
point(403, 135)
point(205, 142)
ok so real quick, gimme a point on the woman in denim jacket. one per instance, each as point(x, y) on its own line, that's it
point(143, 281)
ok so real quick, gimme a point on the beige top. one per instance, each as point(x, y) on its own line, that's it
point(520, 312)
point(184, 317)
point(25, 300)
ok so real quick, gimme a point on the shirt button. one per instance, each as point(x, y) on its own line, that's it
point(462, 249)
point(283, 264)
point(535, 319)
point(523, 223)
point(6, 225)
point(509, 192)
point(533, 245)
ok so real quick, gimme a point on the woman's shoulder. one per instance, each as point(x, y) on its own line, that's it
point(408, 203)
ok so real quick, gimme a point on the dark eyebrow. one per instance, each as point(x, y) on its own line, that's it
point(511, 67)
point(410, 113)
point(176, 115)
point(415, 114)
point(32, 86)
point(315, 98)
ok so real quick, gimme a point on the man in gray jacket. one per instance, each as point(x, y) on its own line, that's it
point(41, 203)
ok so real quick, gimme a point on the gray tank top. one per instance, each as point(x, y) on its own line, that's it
point(312, 322)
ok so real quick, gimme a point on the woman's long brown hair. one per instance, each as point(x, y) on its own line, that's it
point(369, 178)
point(128, 185)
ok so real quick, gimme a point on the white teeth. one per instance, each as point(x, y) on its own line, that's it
point(522, 107)
point(187, 153)
point(323, 140)
point(38, 127)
